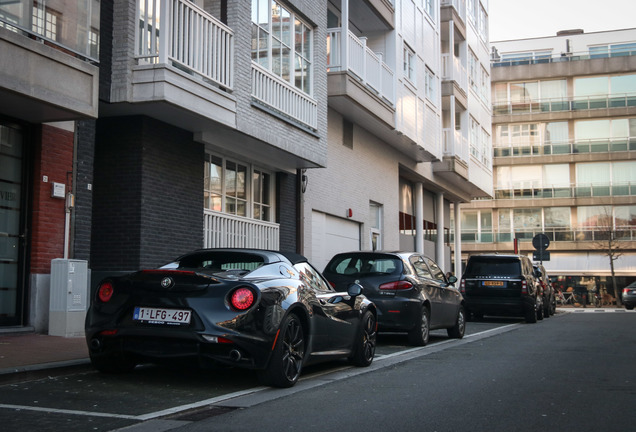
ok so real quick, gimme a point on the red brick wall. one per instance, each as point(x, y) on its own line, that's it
point(53, 157)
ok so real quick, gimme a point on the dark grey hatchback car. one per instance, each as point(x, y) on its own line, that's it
point(410, 291)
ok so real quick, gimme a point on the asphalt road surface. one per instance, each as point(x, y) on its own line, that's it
point(574, 371)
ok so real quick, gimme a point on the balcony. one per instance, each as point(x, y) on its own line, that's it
point(543, 106)
point(182, 70)
point(555, 235)
point(454, 11)
point(455, 74)
point(531, 191)
point(272, 92)
point(367, 66)
point(224, 230)
point(530, 149)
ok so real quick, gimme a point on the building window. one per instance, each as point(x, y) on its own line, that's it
point(473, 71)
point(430, 85)
point(430, 8)
point(261, 191)
point(409, 63)
point(227, 189)
point(375, 225)
point(45, 21)
point(282, 43)
point(93, 43)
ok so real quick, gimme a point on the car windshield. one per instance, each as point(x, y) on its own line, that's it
point(489, 266)
point(364, 265)
point(237, 263)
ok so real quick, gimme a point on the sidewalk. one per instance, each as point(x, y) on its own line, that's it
point(27, 351)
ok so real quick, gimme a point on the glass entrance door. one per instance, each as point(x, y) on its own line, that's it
point(11, 225)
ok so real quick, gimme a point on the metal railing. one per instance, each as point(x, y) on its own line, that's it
point(565, 104)
point(178, 32)
point(224, 230)
point(367, 65)
point(286, 99)
point(453, 69)
point(579, 190)
point(622, 233)
point(607, 145)
point(558, 58)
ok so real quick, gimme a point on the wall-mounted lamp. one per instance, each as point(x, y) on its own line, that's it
point(303, 181)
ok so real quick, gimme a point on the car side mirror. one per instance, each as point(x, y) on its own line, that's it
point(452, 280)
point(354, 289)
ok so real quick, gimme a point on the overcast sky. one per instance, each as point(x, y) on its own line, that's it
point(517, 19)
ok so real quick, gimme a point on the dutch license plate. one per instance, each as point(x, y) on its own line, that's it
point(493, 283)
point(162, 316)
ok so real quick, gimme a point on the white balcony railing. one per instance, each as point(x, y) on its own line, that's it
point(454, 70)
point(367, 65)
point(178, 32)
point(224, 230)
point(280, 95)
point(455, 144)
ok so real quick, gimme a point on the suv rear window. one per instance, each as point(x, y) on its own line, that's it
point(493, 266)
point(364, 265)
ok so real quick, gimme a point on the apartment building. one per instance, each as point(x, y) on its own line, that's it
point(408, 127)
point(49, 80)
point(564, 138)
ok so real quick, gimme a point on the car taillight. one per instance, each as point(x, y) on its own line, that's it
point(626, 291)
point(105, 292)
point(397, 285)
point(524, 287)
point(462, 286)
point(242, 299)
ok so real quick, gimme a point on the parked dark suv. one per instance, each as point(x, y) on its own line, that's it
point(497, 284)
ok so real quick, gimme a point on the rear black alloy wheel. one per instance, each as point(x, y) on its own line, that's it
point(364, 346)
point(420, 333)
point(458, 330)
point(286, 363)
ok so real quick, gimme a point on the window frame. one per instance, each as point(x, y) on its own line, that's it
point(249, 201)
point(304, 54)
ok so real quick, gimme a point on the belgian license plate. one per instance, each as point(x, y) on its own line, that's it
point(494, 283)
point(162, 316)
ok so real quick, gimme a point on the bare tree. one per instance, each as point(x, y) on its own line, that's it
point(607, 239)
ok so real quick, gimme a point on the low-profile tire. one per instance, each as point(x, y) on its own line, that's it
point(458, 330)
point(285, 365)
point(364, 345)
point(540, 312)
point(629, 307)
point(419, 334)
point(112, 363)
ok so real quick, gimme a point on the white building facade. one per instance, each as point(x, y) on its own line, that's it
point(408, 127)
point(564, 141)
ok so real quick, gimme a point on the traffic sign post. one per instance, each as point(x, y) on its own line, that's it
point(541, 243)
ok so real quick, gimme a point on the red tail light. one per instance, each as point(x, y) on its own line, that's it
point(524, 287)
point(397, 285)
point(242, 299)
point(333, 285)
point(462, 286)
point(105, 292)
point(626, 291)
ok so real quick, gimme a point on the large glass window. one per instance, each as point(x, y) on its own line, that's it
point(282, 43)
point(227, 188)
point(73, 25)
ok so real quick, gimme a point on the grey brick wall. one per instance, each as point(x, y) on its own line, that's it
point(83, 213)
point(147, 194)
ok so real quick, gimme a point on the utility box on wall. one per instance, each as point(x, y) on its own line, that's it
point(68, 297)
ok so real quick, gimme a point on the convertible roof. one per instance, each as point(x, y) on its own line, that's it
point(269, 255)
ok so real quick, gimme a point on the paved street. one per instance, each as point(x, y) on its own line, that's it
point(559, 374)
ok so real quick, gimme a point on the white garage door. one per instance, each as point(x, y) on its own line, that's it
point(330, 235)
